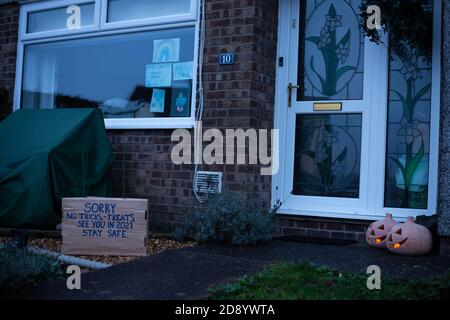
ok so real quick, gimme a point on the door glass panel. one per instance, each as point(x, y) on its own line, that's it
point(408, 131)
point(327, 155)
point(331, 51)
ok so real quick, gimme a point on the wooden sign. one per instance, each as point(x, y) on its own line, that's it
point(104, 226)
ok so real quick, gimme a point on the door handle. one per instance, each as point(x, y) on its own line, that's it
point(290, 87)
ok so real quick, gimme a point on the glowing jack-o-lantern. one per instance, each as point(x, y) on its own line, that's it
point(409, 239)
point(378, 231)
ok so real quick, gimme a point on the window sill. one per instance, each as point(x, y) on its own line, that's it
point(398, 215)
point(150, 123)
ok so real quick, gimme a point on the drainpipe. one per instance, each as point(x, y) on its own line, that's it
point(69, 260)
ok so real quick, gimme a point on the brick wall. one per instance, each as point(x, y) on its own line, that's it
point(9, 15)
point(143, 168)
point(242, 95)
point(444, 145)
point(345, 229)
point(236, 96)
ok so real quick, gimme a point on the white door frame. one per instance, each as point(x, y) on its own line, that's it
point(370, 206)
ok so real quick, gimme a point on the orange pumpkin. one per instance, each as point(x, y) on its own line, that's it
point(409, 238)
point(378, 231)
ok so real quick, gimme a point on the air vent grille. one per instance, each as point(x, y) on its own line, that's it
point(209, 182)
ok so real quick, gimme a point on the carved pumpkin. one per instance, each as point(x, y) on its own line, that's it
point(378, 231)
point(409, 238)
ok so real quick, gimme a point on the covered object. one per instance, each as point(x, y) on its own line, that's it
point(49, 154)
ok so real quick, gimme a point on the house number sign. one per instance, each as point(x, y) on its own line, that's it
point(226, 58)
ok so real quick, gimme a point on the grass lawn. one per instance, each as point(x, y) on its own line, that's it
point(304, 281)
point(20, 268)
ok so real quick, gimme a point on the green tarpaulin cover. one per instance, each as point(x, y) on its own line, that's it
point(49, 154)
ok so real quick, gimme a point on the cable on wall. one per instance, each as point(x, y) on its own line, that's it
point(200, 196)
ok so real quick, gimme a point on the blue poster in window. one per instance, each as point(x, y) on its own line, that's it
point(166, 50)
point(158, 75)
point(182, 70)
point(158, 99)
point(181, 99)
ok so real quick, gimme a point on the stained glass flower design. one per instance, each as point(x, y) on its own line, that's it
point(410, 161)
point(334, 52)
point(324, 38)
point(333, 22)
point(339, 167)
point(324, 153)
point(410, 68)
point(342, 51)
point(320, 153)
point(330, 138)
point(409, 130)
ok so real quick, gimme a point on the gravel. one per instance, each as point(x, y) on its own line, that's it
point(154, 246)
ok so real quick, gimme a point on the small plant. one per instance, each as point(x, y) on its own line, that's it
point(19, 268)
point(227, 220)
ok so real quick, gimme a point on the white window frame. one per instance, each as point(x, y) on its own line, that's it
point(375, 205)
point(176, 18)
point(100, 29)
point(26, 9)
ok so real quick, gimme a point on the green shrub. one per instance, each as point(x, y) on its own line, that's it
point(19, 268)
point(227, 220)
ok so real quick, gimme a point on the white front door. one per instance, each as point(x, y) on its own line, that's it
point(333, 76)
point(327, 111)
point(332, 89)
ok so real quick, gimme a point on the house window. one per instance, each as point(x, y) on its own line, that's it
point(139, 72)
point(120, 10)
point(56, 19)
point(115, 73)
